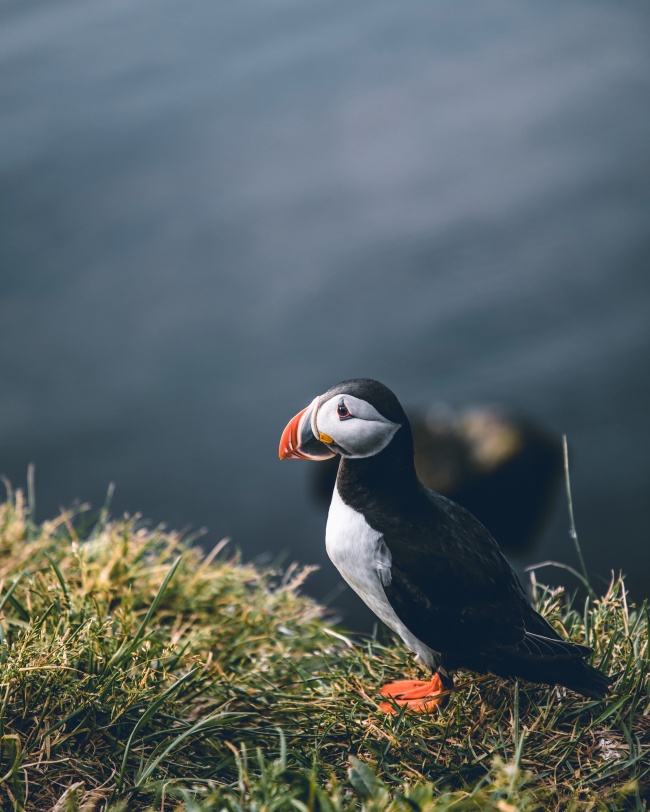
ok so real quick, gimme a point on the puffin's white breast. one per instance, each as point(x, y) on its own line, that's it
point(361, 556)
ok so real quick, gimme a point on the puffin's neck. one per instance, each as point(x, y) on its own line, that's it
point(384, 477)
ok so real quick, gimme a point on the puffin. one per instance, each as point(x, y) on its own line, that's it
point(422, 563)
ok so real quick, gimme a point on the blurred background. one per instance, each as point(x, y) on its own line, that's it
point(212, 212)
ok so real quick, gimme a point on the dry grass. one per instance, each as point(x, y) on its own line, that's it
point(138, 674)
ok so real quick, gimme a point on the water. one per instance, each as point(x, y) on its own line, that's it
point(211, 212)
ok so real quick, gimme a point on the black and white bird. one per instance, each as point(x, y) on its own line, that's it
point(423, 564)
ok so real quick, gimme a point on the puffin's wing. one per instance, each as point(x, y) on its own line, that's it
point(477, 631)
point(450, 584)
point(451, 623)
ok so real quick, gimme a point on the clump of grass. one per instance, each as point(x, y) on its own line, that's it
point(137, 673)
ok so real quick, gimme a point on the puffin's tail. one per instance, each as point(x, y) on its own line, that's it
point(555, 662)
point(578, 676)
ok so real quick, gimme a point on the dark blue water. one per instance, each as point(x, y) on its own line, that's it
point(211, 212)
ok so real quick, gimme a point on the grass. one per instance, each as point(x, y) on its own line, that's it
point(137, 673)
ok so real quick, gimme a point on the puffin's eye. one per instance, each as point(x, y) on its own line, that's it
point(342, 410)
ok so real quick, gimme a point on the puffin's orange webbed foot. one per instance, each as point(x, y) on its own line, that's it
point(419, 696)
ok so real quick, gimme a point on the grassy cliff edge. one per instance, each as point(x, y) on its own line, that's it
point(137, 673)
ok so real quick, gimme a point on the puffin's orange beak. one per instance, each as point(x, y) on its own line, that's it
point(298, 441)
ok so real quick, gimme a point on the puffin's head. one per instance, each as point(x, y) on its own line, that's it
point(356, 418)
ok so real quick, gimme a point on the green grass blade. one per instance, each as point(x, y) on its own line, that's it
point(125, 651)
point(146, 716)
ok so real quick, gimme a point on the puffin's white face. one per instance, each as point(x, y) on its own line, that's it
point(352, 427)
